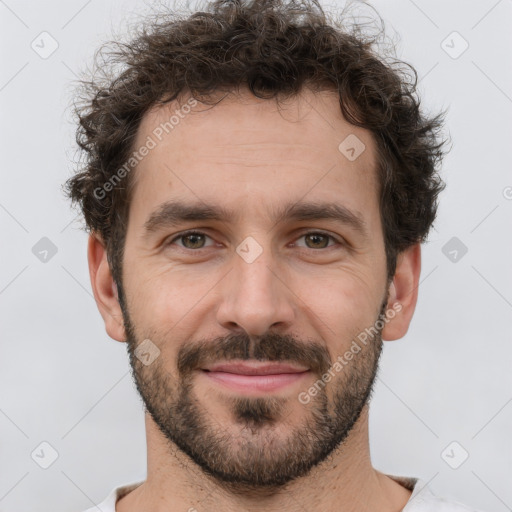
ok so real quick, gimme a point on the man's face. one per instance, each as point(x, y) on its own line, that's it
point(276, 281)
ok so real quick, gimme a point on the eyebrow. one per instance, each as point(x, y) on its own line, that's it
point(176, 212)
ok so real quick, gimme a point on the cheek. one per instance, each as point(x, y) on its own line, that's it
point(153, 304)
point(342, 306)
point(167, 304)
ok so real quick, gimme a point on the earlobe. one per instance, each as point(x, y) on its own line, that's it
point(104, 288)
point(403, 294)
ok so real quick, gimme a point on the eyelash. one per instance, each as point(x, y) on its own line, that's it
point(195, 232)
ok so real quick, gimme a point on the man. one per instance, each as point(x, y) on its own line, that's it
point(257, 185)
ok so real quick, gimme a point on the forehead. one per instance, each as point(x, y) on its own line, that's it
point(245, 150)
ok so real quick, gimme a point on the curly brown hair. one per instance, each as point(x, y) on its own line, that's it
point(274, 48)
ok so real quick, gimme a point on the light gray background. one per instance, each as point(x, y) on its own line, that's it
point(63, 381)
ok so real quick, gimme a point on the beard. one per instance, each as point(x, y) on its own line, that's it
point(259, 447)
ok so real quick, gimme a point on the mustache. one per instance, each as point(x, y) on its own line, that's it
point(270, 347)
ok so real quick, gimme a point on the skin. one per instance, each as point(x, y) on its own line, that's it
point(246, 155)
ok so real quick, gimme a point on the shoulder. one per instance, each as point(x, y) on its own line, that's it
point(423, 500)
point(430, 503)
point(109, 503)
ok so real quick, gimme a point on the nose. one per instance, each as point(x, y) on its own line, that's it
point(255, 297)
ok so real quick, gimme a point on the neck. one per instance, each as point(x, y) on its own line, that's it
point(345, 481)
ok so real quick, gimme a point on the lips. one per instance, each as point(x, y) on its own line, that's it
point(254, 377)
point(247, 368)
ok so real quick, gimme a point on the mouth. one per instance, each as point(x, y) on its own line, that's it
point(255, 376)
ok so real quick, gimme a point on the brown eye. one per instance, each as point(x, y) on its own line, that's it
point(192, 240)
point(317, 240)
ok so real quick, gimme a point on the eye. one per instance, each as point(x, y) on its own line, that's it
point(196, 240)
point(317, 240)
point(191, 240)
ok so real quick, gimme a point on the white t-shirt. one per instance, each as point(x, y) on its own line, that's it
point(422, 499)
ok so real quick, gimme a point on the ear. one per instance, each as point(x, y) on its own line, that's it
point(104, 288)
point(403, 293)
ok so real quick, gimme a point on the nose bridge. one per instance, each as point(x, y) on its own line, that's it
point(254, 298)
